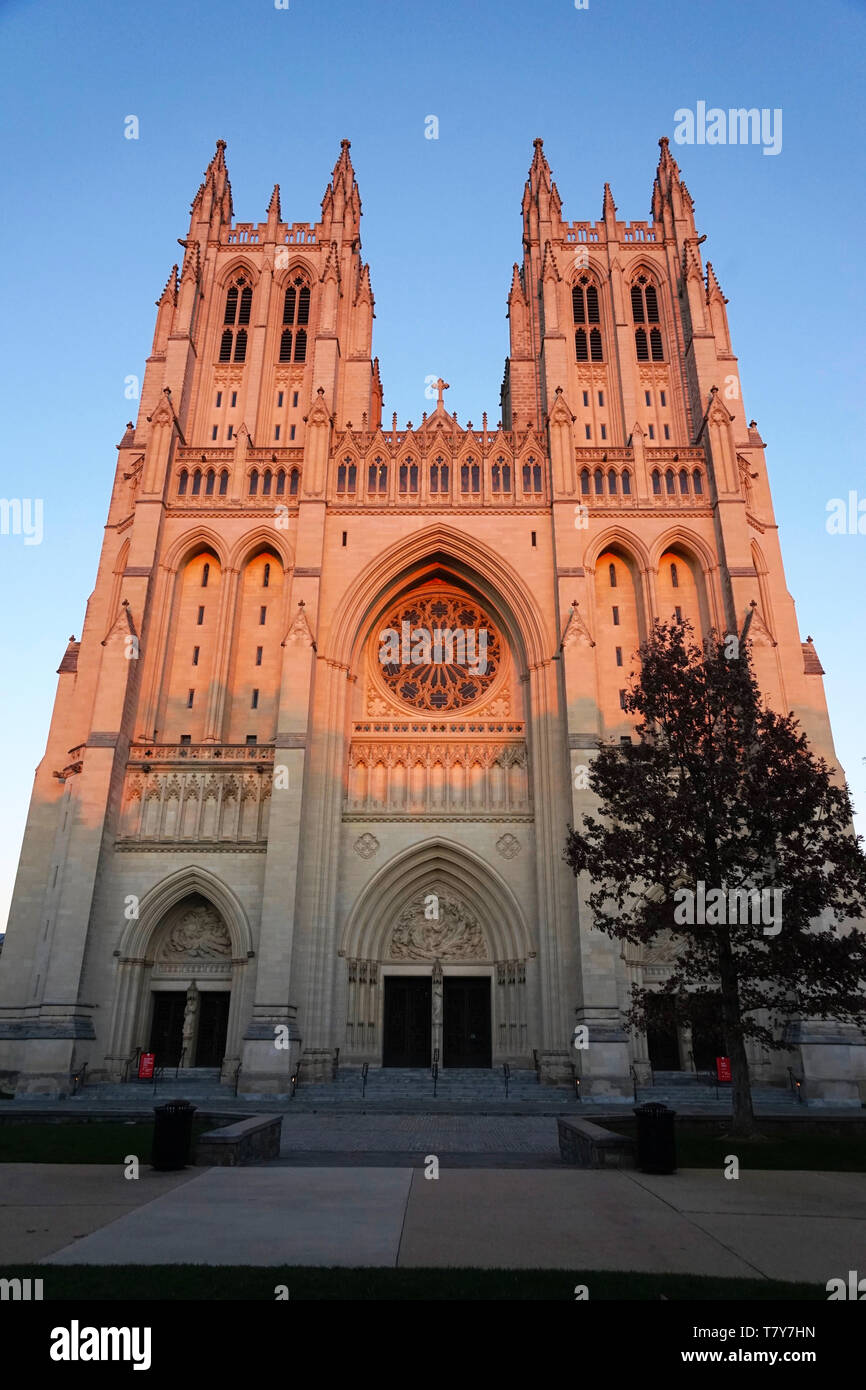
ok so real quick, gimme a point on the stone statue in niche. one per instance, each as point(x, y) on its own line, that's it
point(453, 935)
point(200, 934)
point(190, 1016)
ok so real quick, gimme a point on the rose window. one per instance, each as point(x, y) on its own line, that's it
point(439, 652)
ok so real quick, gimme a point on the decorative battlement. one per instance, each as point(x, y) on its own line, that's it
point(289, 234)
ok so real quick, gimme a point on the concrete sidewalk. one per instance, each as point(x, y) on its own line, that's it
point(792, 1226)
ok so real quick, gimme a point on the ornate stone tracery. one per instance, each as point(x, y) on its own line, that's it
point(462, 646)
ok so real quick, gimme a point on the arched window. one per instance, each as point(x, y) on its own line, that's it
point(684, 480)
point(182, 482)
point(408, 476)
point(611, 480)
point(496, 476)
point(210, 483)
point(196, 482)
point(611, 570)
point(294, 482)
point(341, 478)
point(626, 483)
point(470, 476)
point(645, 309)
point(657, 482)
point(205, 574)
point(598, 482)
point(377, 477)
point(266, 576)
point(675, 578)
point(254, 482)
point(439, 476)
point(669, 482)
point(296, 311)
point(281, 482)
point(224, 482)
point(585, 306)
point(239, 305)
point(531, 476)
point(697, 481)
point(267, 478)
point(584, 481)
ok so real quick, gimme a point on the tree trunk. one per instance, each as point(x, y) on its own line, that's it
point(741, 1091)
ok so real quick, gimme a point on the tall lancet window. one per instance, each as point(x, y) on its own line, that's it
point(645, 313)
point(587, 336)
point(296, 316)
point(239, 305)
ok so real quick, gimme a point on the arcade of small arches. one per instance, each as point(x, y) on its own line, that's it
point(615, 480)
point(465, 476)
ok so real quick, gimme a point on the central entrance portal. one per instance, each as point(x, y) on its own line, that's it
point(408, 1030)
point(466, 1021)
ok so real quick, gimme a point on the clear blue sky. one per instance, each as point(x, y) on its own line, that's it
point(90, 222)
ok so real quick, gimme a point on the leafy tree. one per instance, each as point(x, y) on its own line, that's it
point(721, 794)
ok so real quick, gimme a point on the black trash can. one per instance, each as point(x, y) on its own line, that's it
point(172, 1135)
point(656, 1145)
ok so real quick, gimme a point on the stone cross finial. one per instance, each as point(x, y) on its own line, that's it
point(440, 387)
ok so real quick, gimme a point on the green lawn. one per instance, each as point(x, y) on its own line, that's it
point(107, 1141)
point(253, 1283)
point(699, 1148)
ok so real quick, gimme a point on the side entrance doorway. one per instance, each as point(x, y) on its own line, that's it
point(408, 1021)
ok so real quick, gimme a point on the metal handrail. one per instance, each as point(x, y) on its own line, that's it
point(364, 1070)
point(130, 1061)
point(180, 1062)
point(506, 1072)
point(77, 1078)
point(536, 1064)
point(435, 1078)
point(336, 1065)
point(158, 1075)
point(294, 1082)
point(237, 1077)
point(632, 1069)
point(796, 1085)
point(576, 1082)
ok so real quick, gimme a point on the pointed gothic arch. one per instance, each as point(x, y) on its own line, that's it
point(468, 561)
point(437, 864)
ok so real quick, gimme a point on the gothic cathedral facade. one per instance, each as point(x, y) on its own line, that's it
point(270, 824)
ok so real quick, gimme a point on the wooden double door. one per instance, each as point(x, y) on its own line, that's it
point(166, 1031)
point(408, 1028)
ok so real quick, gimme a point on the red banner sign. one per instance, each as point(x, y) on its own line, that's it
point(723, 1068)
point(145, 1066)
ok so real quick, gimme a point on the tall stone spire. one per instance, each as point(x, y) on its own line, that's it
point(212, 205)
point(542, 205)
point(341, 205)
point(671, 202)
